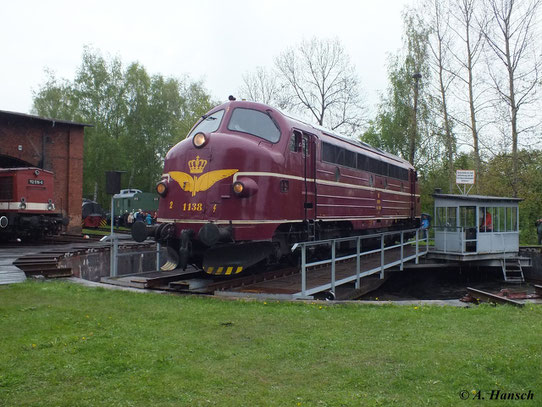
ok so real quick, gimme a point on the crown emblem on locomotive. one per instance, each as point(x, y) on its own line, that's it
point(198, 183)
point(196, 166)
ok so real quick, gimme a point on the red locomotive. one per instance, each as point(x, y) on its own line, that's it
point(250, 181)
point(27, 207)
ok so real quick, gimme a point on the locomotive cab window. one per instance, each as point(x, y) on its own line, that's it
point(254, 122)
point(209, 123)
point(299, 142)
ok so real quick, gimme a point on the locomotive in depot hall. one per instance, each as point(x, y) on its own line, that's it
point(250, 181)
point(27, 205)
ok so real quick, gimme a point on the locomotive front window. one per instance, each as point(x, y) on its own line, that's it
point(254, 122)
point(209, 123)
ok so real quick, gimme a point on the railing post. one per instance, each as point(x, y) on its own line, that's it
point(115, 256)
point(417, 245)
point(333, 267)
point(157, 256)
point(112, 240)
point(382, 256)
point(303, 271)
point(402, 249)
point(358, 261)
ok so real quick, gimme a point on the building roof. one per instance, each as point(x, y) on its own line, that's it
point(477, 198)
point(16, 115)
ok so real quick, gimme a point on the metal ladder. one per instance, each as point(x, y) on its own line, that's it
point(512, 271)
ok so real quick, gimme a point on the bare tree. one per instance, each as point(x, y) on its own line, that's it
point(324, 82)
point(440, 44)
point(466, 25)
point(511, 37)
point(264, 86)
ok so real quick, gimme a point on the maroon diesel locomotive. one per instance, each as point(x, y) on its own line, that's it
point(27, 207)
point(249, 181)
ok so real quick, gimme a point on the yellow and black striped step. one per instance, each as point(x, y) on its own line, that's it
point(226, 271)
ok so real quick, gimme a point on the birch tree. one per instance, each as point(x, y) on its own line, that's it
point(512, 38)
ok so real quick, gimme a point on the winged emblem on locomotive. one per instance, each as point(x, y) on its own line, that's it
point(196, 184)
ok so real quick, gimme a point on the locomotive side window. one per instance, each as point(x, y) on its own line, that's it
point(254, 122)
point(6, 188)
point(337, 155)
point(209, 124)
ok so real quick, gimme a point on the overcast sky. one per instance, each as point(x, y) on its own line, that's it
point(213, 41)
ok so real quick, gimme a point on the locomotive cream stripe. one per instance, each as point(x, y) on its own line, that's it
point(30, 206)
point(319, 181)
point(262, 222)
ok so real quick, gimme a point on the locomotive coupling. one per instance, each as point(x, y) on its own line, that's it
point(3, 222)
point(210, 234)
point(161, 233)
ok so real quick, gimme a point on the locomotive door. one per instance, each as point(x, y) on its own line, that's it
point(309, 176)
point(412, 177)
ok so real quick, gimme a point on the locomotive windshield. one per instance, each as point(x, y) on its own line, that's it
point(209, 123)
point(254, 122)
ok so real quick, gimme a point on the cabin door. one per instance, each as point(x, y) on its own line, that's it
point(467, 221)
point(309, 176)
point(413, 197)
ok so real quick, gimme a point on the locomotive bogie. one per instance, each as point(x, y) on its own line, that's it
point(250, 181)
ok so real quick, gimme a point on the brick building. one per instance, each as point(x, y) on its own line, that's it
point(54, 145)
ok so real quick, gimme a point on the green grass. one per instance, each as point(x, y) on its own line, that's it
point(67, 345)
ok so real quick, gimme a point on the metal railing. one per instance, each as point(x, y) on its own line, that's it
point(115, 255)
point(358, 255)
point(453, 240)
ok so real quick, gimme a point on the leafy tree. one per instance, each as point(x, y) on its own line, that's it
point(136, 117)
point(400, 127)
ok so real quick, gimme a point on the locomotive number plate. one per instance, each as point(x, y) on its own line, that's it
point(192, 207)
point(35, 182)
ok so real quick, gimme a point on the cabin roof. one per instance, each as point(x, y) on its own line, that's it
point(476, 198)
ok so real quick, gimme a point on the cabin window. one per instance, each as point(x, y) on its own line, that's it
point(514, 219)
point(362, 162)
point(486, 219)
point(254, 122)
point(6, 188)
point(349, 159)
point(208, 124)
point(447, 218)
point(338, 155)
point(299, 142)
point(295, 142)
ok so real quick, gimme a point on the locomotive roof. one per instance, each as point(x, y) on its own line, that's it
point(7, 114)
point(301, 123)
point(24, 168)
point(349, 140)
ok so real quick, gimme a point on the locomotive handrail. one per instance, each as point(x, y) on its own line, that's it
point(334, 259)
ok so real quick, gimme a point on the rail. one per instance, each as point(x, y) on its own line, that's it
point(359, 254)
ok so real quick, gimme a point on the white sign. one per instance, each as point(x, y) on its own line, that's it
point(464, 177)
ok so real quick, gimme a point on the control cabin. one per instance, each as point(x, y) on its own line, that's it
point(469, 225)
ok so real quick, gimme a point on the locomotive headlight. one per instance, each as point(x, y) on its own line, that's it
point(22, 205)
point(50, 205)
point(245, 187)
point(161, 188)
point(199, 140)
point(238, 187)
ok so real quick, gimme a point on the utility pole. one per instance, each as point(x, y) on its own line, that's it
point(417, 76)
